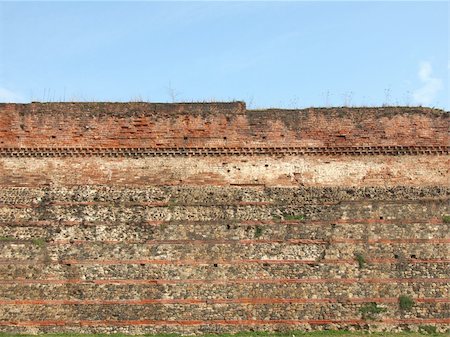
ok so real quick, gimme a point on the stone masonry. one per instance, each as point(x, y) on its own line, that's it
point(208, 217)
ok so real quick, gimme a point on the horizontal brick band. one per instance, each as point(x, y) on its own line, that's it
point(251, 242)
point(220, 322)
point(43, 223)
point(208, 262)
point(141, 204)
point(234, 281)
point(222, 151)
point(216, 301)
point(171, 204)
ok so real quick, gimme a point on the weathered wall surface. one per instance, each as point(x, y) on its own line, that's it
point(418, 170)
point(199, 224)
point(140, 125)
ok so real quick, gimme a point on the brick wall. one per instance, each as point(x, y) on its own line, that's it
point(142, 125)
point(193, 218)
point(380, 170)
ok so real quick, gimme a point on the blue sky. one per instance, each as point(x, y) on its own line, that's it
point(270, 54)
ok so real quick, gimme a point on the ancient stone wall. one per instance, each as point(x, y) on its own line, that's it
point(196, 218)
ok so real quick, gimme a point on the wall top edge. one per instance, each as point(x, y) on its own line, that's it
point(202, 108)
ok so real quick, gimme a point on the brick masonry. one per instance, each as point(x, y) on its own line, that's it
point(207, 217)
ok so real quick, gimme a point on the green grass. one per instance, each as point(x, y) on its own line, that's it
point(6, 239)
point(428, 329)
point(425, 330)
point(38, 242)
point(446, 218)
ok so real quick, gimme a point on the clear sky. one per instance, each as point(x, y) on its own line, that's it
point(270, 54)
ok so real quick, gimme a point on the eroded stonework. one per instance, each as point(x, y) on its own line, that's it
point(192, 218)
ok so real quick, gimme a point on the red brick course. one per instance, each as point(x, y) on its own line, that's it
point(221, 125)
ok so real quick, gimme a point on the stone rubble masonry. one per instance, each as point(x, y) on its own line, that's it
point(207, 217)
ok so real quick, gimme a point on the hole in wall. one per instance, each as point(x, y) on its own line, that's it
point(215, 265)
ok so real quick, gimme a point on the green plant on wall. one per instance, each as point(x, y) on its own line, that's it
point(276, 217)
point(293, 217)
point(405, 303)
point(427, 329)
point(38, 242)
point(258, 231)
point(171, 204)
point(6, 239)
point(371, 310)
point(446, 218)
point(359, 257)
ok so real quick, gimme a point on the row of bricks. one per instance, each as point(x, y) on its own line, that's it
point(217, 301)
point(279, 281)
point(113, 152)
point(147, 322)
point(247, 242)
point(45, 223)
point(226, 262)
